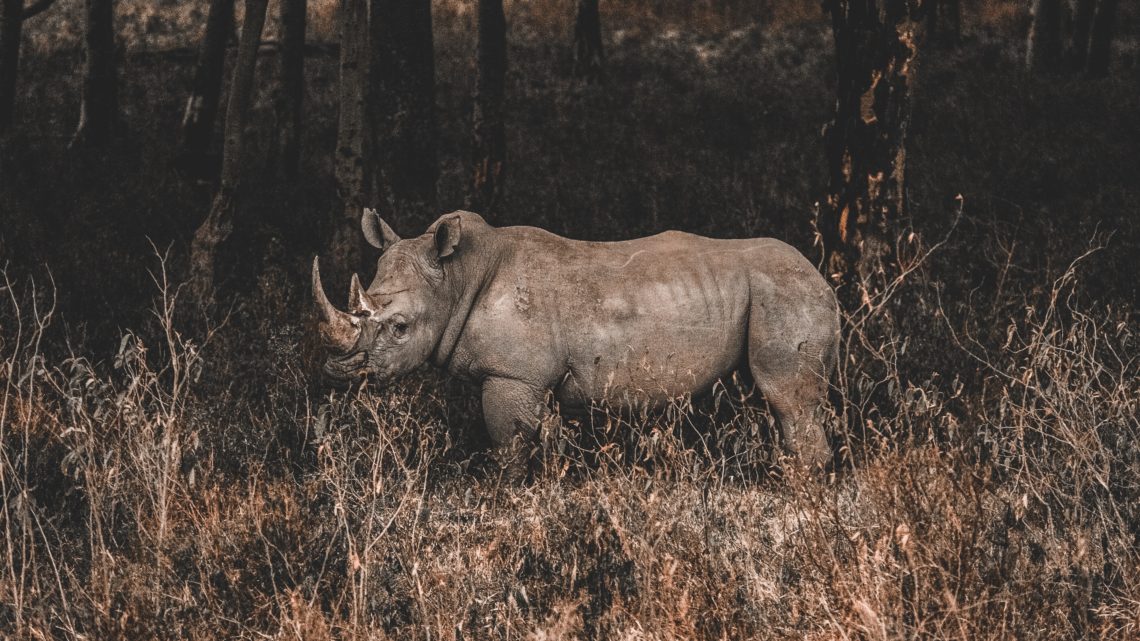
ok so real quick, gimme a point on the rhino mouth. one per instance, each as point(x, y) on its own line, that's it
point(347, 368)
point(346, 337)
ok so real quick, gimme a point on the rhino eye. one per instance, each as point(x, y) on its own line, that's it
point(399, 330)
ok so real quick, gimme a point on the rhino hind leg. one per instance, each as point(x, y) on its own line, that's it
point(793, 374)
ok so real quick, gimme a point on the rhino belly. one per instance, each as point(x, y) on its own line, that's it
point(650, 366)
point(662, 324)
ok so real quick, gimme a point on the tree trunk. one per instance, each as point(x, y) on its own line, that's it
point(403, 107)
point(1043, 52)
point(876, 47)
point(11, 26)
point(350, 147)
point(490, 145)
point(216, 228)
point(943, 22)
point(290, 109)
point(202, 105)
point(13, 14)
point(1100, 40)
point(933, 22)
point(588, 52)
point(1082, 25)
point(99, 111)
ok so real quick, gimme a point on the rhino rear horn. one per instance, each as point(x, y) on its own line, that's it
point(339, 330)
point(376, 231)
point(358, 300)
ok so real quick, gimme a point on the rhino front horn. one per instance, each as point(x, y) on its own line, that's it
point(338, 329)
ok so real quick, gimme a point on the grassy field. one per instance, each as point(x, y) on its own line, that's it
point(167, 474)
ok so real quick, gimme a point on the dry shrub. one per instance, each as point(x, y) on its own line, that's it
point(1008, 508)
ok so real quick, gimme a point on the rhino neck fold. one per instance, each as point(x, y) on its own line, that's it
point(465, 281)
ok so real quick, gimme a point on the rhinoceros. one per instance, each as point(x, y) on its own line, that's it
point(535, 317)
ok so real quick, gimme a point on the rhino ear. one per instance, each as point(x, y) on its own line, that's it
point(376, 231)
point(447, 234)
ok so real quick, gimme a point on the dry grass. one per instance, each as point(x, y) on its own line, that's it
point(1008, 509)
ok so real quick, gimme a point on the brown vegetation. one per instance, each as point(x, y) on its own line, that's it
point(970, 512)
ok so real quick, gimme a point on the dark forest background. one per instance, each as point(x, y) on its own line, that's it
point(172, 467)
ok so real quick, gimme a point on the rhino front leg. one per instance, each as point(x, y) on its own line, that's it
point(513, 411)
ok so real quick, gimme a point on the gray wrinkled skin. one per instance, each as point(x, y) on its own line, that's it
point(534, 316)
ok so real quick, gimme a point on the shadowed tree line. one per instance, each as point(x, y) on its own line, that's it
point(13, 14)
point(99, 109)
point(386, 153)
point(1074, 36)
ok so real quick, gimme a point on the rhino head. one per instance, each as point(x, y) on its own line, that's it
point(394, 325)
